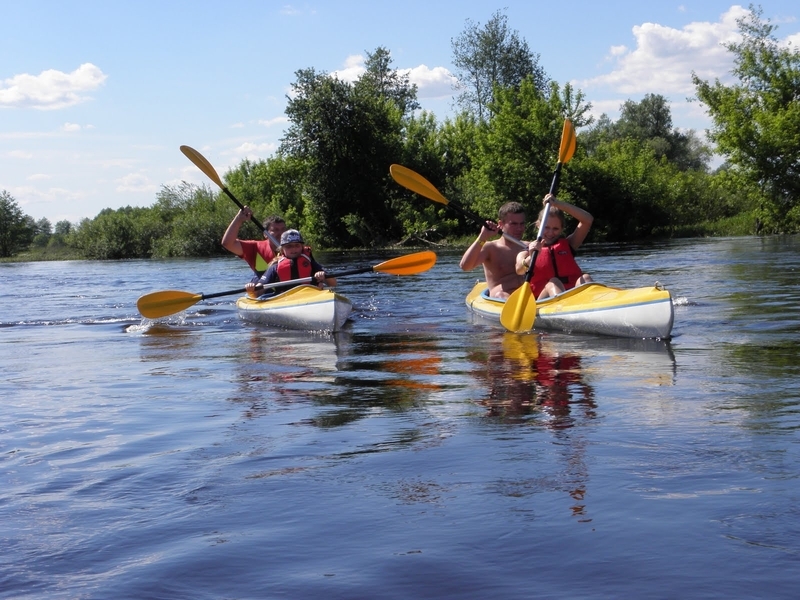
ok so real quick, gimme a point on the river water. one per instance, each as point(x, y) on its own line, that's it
point(417, 454)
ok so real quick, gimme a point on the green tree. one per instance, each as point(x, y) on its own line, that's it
point(16, 228)
point(625, 187)
point(757, 121)
point(650, 122)
point(516, 153)
point(347, 136)
point(116, 234)
point(63, 228)
point(187, 220)
point(43, 231)
point(274, 186)
point(385, 82)
point(492, 56)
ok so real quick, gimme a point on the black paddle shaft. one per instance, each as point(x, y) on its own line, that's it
point(277, 284)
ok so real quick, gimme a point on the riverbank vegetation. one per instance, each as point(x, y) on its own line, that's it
point(639, 176)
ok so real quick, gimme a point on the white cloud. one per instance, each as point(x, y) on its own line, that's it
point(51, 89)
point(19, 154)
point(135, 182)
point(28, 196)
point(121, 163)
point(432, 83)
point(70, 127)
point(292, 11)
point(664, 58)
point(39, 177)
point(793, 41)
point(253, 151)
point(353, 68)
point(280, 121)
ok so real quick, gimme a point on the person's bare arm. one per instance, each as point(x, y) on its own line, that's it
point(577, 237)
point(475, 255)
point(230, 240)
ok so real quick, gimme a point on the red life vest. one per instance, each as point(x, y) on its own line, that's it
point(298, 268)
point(555, 261)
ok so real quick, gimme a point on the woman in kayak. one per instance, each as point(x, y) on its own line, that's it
point(291, 264)
point(555, 270)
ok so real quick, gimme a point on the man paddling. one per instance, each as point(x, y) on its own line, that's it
point(498, 257)
point(257, 253)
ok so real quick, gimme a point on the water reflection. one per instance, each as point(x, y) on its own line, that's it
point(528, 374)
point(286, 366)
point(392, 369)
point(347, 376)
point(161, 343)
point(549, 381)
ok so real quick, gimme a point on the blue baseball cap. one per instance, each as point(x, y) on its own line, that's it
point(291, 236)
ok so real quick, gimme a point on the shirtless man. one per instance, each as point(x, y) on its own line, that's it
point(498, 257)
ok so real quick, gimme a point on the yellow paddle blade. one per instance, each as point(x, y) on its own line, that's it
point(416, 183)
point(165, 303)
point(410, 264)
point(568, 142)
point(200, 161)
point(519, 312)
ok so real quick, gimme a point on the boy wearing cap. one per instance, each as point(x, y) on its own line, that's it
point(291, 264)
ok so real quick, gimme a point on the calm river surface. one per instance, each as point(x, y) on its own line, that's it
point(418, 454)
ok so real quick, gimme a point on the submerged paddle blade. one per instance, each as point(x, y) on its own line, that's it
point(416, 183)
point(519, 312)
point(410, 264)
point(168, 302)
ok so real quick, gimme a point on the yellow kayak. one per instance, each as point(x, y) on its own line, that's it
point(303, 307)
point(592, 308)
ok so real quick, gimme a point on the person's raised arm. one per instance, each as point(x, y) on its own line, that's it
point(230, 239)
point(475, 254)
point(577, 237)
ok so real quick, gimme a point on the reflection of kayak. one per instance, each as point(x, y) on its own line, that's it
point(303, 307)
point(592, 308)
point(645, 360)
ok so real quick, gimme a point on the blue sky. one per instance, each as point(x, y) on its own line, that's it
point(97, 96)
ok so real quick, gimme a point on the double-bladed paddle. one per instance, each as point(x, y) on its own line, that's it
point(417, 183)
point(200, 161)
point(168, 302)
point(519, 311)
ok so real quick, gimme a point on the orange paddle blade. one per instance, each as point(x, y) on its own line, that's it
point(519, 312)
point(416, 183)
point(165, 303)
point(202, 163)
point(568, 142)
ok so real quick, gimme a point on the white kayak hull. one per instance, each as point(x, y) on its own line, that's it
point(303, 307)
point(593, 308)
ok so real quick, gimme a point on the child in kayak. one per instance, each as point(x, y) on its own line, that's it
point(555, 270)
point(291, 264)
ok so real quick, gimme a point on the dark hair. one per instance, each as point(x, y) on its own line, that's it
point(510, 208)
point(272, 220)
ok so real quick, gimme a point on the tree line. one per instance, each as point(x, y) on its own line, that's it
point(639, 176)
